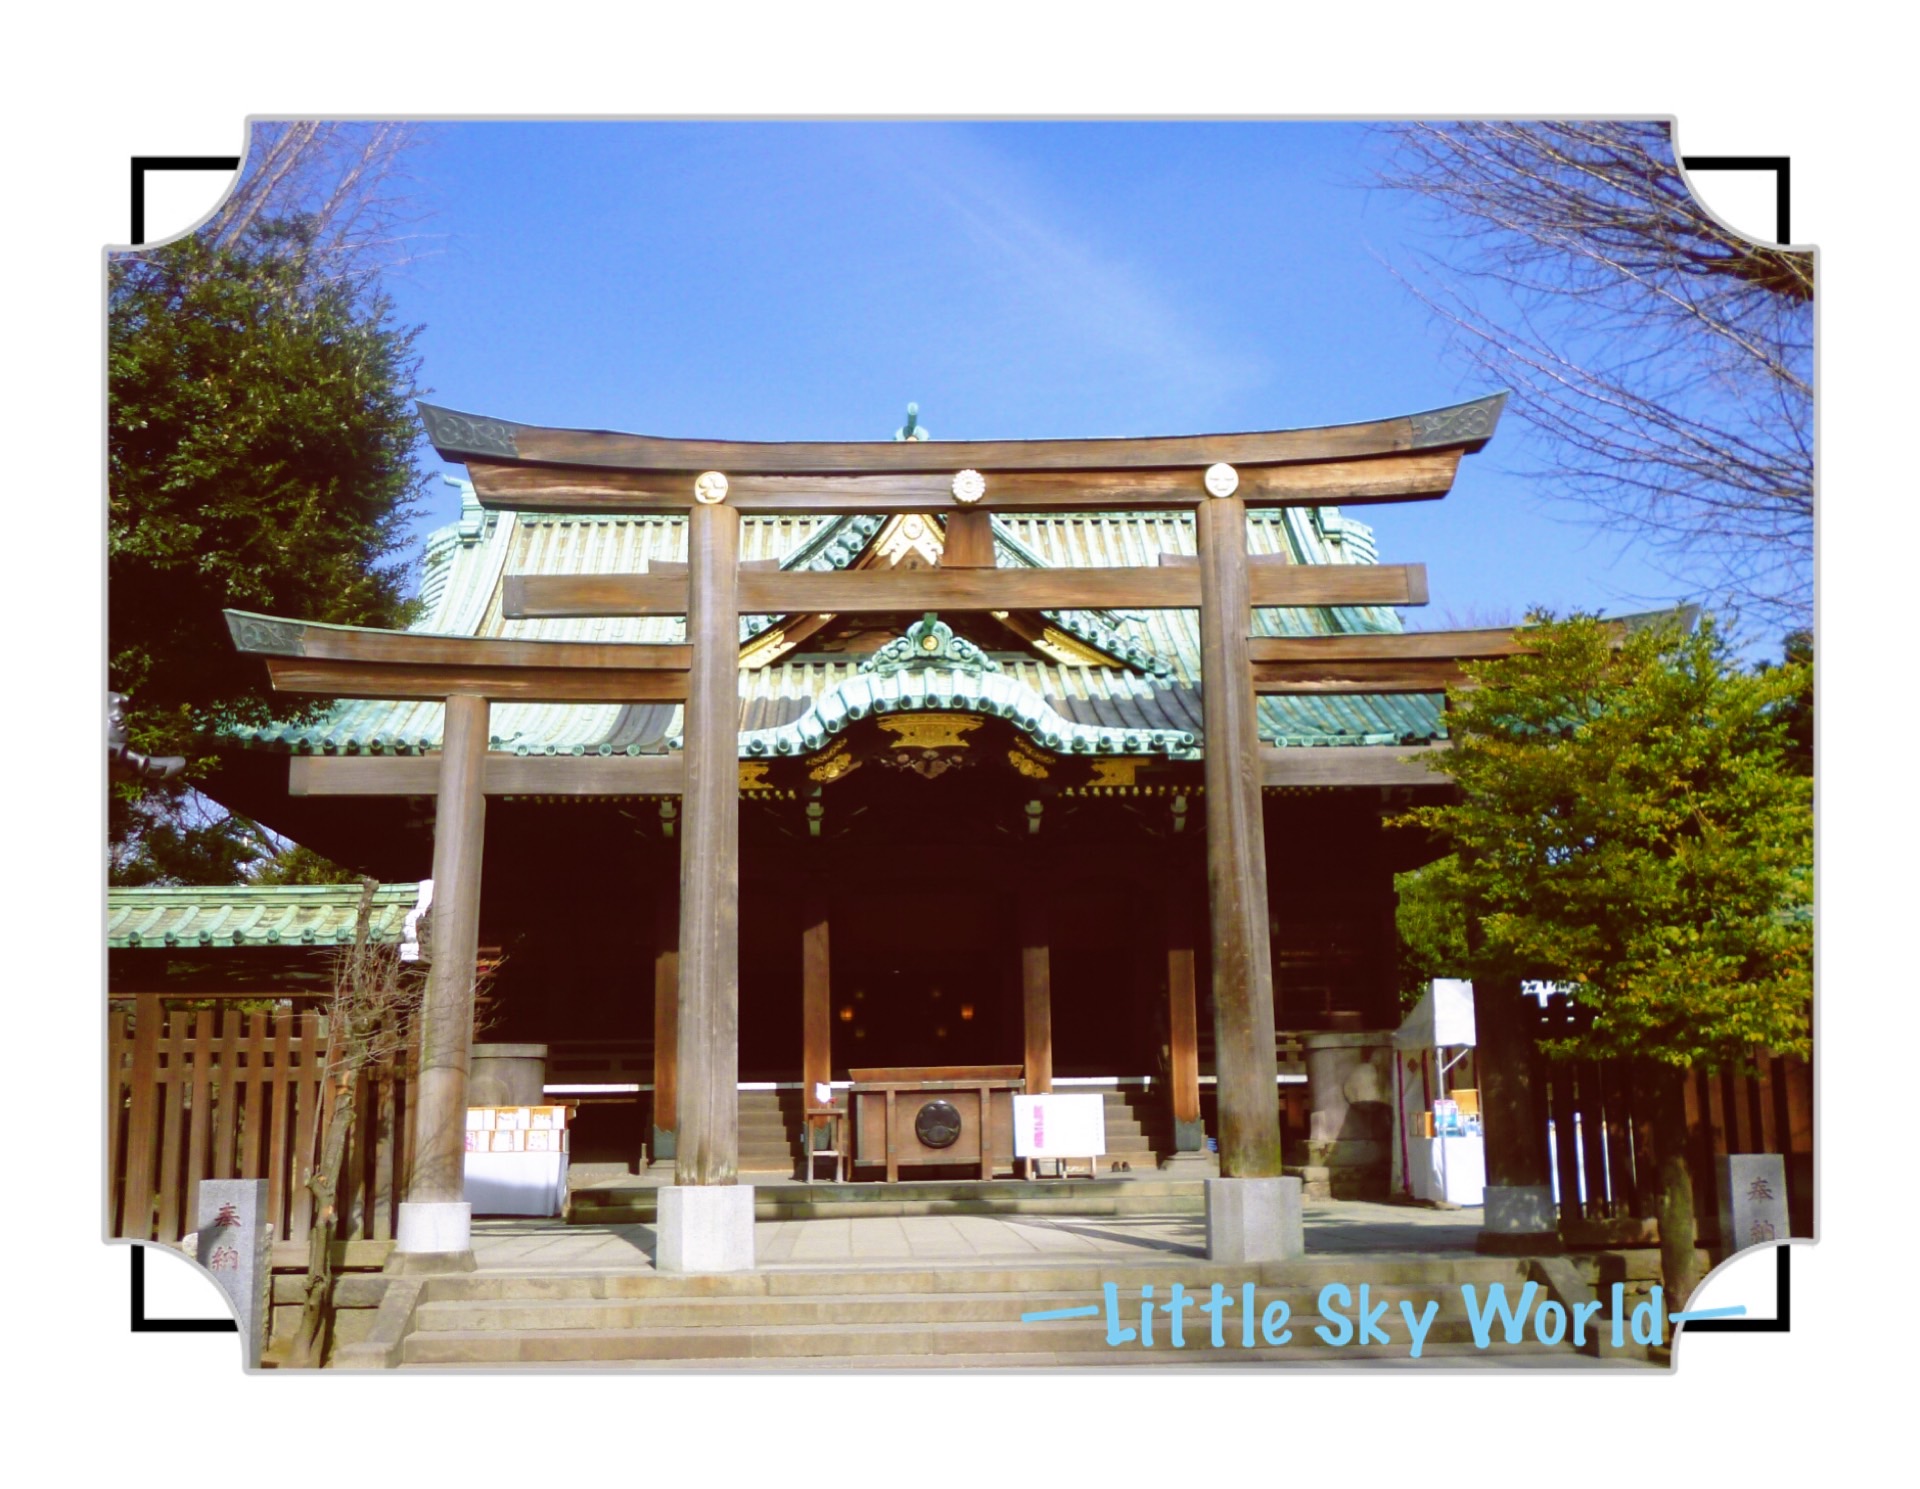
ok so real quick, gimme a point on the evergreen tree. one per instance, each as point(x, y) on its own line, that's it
point(1632, 824)
point(260, 456)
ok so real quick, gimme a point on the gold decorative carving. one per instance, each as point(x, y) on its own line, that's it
point(969, 486)
point(833, 762)
point(929, 731)
point(1029, 761)
point(1025, 766)
point(711, 487)
point(753, 775)
point(1118, 770)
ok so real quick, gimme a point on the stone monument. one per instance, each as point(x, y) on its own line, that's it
point(235, 1244)
point(1753, 1200)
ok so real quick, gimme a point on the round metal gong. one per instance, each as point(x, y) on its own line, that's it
point(937, 1124)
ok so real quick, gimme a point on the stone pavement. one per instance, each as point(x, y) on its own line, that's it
point(1333, 1227)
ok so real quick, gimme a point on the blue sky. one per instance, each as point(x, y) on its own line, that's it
point(806, 280)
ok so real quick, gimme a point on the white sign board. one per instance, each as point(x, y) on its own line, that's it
point(1055, 1126)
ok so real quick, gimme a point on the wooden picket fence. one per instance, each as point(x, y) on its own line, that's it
point(217, 1093)
point(1601, 1161)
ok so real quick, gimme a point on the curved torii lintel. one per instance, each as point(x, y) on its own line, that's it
point(1411, 457)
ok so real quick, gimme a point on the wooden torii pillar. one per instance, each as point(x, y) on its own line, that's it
point(666, 1032)
point(434, 1230)
point(1248, 1091)
point(706, 1215)
point(1183, 1027)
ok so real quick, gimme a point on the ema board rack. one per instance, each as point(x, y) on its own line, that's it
point(517, 1129)
point(516, 1162)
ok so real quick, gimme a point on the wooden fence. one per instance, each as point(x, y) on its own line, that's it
point(217, 1093)
point(1601, 1162)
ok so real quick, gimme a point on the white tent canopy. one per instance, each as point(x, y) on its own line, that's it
point(1443, 1167)
point(1441, 1019)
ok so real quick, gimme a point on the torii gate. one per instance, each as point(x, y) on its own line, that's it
point(706, 1215)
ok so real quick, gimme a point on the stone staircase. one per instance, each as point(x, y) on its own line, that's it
point(1139, 1128)
point(942, 1319)
point(770, 1132)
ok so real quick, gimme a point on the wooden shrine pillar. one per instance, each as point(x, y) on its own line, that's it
point(666, 1029)
point(969, 540)
point(1236, 851)
point(1183, 1026)
point(1036, 984)
point(707, 1140)
point(440, 1093)
point(816, 997)
point(1519, 1213)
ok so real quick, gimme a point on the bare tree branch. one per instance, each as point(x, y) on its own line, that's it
point(342, 184)
point(1666, 360)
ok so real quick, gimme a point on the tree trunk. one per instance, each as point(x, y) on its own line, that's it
point(316, 1309)
point(1661, 1091)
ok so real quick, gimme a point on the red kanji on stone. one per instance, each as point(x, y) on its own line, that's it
point(227, 1216)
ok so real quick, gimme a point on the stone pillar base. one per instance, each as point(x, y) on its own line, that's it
point(433, 1236)
point(1520, 1219)
point(1254, 1220)
point(705, 1228)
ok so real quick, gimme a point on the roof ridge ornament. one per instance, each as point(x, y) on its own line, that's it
point(913, 429)
point(1448, 426)
point(468, 434)
point(928, 642)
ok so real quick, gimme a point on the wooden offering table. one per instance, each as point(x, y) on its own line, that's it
point(941, 1114)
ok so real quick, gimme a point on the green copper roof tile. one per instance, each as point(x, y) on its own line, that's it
point(223, 915)
point(1152, 687)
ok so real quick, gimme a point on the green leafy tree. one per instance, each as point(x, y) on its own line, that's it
point(261, 456)
point(169, 836)
point(298, 864)
point(1631, 824)
point(1433, 932)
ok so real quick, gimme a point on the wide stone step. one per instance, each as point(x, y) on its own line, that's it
point(863, 1340)
point(1450, 1356)
point(1079, 1275)
point(1449, 1324)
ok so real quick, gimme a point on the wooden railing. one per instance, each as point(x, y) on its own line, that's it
point(213, 1092)
point(1601, 1162)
